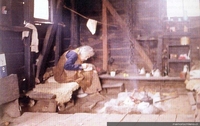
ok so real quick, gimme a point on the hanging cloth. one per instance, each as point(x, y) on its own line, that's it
point(34, 41)
point(91, 25)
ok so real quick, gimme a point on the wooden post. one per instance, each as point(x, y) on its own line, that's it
point(104, 36)
point(74, 41)
point(28, 63)
point(28, 58)
point(159, 54)
point(58, 44)
point(58, 31)
point(28, 11)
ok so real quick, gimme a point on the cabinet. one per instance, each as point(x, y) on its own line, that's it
point(178, 56)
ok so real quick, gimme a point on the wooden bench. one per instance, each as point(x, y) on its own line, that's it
point(114, 85)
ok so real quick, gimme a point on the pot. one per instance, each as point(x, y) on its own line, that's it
point(156, 73)
point(142, 71)
point(147, 99)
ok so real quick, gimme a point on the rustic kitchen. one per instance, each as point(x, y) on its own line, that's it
point(146, 59)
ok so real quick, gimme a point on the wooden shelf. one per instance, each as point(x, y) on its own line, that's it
point(146, 38)
point(179, 60)
point(179, 45)
point(177, 64)
point(140, 78)
point(175, 35)
point(14, 28)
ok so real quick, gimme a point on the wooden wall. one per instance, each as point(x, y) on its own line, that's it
point(145, 18)
point(11, 43)
point(148, 18)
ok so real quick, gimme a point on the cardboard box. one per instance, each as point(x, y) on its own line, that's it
point(3, 69)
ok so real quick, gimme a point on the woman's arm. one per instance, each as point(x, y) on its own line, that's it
point(70, 63)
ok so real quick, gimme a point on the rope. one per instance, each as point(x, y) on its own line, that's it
point(85, 16)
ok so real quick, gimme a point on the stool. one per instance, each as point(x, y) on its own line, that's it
point(115, 85)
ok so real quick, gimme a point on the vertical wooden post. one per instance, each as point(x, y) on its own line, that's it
point(104, 36)
point(58, 19)
point(28, 11)
point(28, 58)
point(58, 44)
point(28, 63)
point(74, 41)
point(159, 54)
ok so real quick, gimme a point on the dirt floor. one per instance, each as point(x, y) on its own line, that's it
point(176, 101)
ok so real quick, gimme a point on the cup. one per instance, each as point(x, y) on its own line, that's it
point(84, 65)
point(147, 74)
point(112, 73)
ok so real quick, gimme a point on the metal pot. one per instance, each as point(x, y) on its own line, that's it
point(147, 99)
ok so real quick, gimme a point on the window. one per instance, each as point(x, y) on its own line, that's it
point(43, 11)
point(181, 8)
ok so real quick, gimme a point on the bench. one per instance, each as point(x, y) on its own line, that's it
point(114, 85)
point(52, 92)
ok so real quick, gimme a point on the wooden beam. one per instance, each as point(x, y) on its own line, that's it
point(159, 54)
point(58, 44)
point(124, 26)
point(104, 36)
point(74, 41)
point(114, 13)
point(14, 28)
point(28, 63)
point(48, 40)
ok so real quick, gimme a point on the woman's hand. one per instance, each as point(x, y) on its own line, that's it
point(87, 67)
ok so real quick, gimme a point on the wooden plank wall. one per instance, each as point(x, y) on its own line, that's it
point(17, 51)
point(119, 45)
point(149, 18)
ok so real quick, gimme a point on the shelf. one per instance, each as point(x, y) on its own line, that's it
point(178, 61)
point(179, 45)
point(176, 34)
point(146, 38)
point(14, 28)
point(175, 65)
point(140, 78)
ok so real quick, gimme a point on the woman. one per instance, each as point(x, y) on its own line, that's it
point(70, 68)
